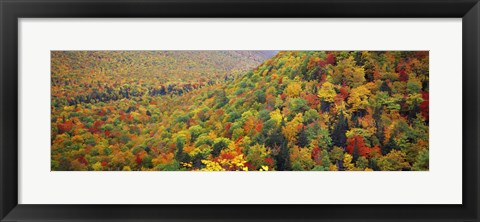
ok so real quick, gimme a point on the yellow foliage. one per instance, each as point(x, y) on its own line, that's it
point(333, 167)
point(347, 162)
point(212, 166)
point(290, 130)
point(293, 89)
point(358, 98)
point(327, 92)
point(235, 164)
point(277, 116)
point(97, 166)
point(301, 158)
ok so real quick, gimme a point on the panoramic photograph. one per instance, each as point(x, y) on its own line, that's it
point(239, 110)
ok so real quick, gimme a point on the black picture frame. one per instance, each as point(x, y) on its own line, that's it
point(11, 11)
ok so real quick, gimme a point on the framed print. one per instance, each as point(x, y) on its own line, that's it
point(225, 110)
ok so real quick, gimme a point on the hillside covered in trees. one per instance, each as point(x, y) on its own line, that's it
point(240, 110)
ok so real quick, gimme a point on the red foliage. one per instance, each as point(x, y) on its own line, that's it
point(363, 149)
point(250, 166)
point(239, 139)
point(101, 112)
point(96, 127)
point(424, 106)
point(280, 80)
point(316, 154)
point(227, 156)
point(322, 63)
point(98, 124)
point(300, 126)
point(138, 160)
point(403, 76)
point(258, 127)
point(65, 127)
point(227, 130)
point(375, 151)
point(377, 75)
point(82, 160)
point(401, 69)
point(122, 115)
point(331, 58)
point(312, 100)
point(269, 161)
point(104, 163)
point(344, 92)
point(323, 79)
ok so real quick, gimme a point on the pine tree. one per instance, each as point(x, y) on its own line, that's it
point(277, 139)
point(338, 134)
point(389, 145)
point(385, 88)
point(302, 140)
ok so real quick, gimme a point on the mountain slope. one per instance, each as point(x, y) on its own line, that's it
point(296, 111)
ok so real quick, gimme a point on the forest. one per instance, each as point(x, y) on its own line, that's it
point(239, 110)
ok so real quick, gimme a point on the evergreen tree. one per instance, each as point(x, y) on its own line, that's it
point(338, 134)
point(283, 158)
point(379, 125)
point(389, 145)
point(278, 140)
point(180, 155)
point(302, 140)
point(385, 88)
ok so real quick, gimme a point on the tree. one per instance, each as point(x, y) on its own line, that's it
point(302, 140)
point(327, 92)
point(293, 89)
point(362, 163)
point(357, 147)
point(358, 98)
point(336, 154)
point(291, 129)
point(257, 155)
point(391, 144)
point(301, 159)
point(347, 162)
point(393, 161)
point(298, 105)
point(283, 158)
point(180, 155)
point(385, 88)
point(278, 141)
point(338, 134)
point(422, 162)
point(220, 144)
point(325, 160)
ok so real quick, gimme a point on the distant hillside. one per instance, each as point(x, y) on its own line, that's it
point(80, 76)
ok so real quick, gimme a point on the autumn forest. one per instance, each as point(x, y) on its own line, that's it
point(239, 110)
